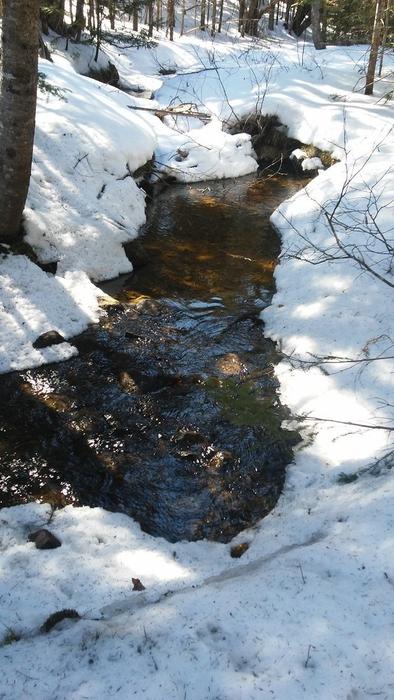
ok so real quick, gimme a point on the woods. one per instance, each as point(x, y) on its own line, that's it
point(327, 18)
point(196, 349)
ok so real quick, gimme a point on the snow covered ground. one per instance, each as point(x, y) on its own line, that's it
point(308, 610)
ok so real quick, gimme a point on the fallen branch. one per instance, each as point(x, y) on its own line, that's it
point(346, 422)
point(173, 112)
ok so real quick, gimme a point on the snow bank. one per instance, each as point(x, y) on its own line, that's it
point(205, 153)
point(33, 302)
point(83, 203)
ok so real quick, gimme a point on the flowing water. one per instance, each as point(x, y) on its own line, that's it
point(170, 413)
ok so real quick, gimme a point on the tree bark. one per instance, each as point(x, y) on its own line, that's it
point(150, 18)
point(385, 34)
point(221, 7)
point(111, 13)
point(19, 45)
point(287, 13)
point(316, 17)
point(203, 11)
point(79, 25)
point(135, 17)
point(213, 21)
point(271, 18)
point(171, 18)
point(241, 21)
point(251, 22)
point(376, 40)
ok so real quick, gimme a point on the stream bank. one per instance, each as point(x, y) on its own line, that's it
point(170, 412)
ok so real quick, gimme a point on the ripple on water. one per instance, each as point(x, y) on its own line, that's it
point(170, 412)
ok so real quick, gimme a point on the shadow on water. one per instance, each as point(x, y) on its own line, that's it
point(170, 412)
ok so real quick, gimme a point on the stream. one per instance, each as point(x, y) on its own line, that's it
point(170, 412)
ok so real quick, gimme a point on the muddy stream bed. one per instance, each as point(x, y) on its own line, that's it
point(170, 412)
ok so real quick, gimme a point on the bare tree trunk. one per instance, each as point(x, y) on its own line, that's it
point(220, 16)
point(99, 21)
point(171, 18)
point(183, 14)
point(70, 11)
point(385, 34)
point(150, 18)
point(19, 38)
point(241, 22)
point(135, 17)
point(111, 12)
point(271, 18)
point(79, 19)
point(251, 22)
point(213, 17)
point(91, 22)
point(376, 40)
point(203, 11)
point(316, 16)
point(287, 13)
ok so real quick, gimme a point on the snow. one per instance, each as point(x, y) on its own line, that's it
point(33, 302)
point(312, 164)
point(307, 611)
point(83, 203)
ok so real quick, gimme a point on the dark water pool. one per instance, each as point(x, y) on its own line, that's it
point(170, 412)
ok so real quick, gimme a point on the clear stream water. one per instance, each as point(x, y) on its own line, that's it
point(170, 412)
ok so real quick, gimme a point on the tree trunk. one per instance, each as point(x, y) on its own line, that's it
point(271, 18)
point(241, 22)
point(376, 40)
point(91, 22)
point(220, 16)
point(203, 10)
point(385, 34)
point(79, 19)
point(213, 17)
point(150, 18)
point(287, 13)
point(135, 17)
point(251, 22)
point(19, 38)
point(171, 18)
point(99, 21)
point(183, 14)
point(111, 13)
point(316, 16)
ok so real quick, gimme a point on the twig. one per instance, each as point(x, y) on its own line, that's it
point(308, 655)
point(347, 422)
point(302, 573)
point(80, 160)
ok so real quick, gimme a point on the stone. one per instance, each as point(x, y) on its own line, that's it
point(49, 338)
point(239, 549)
point(44, 539)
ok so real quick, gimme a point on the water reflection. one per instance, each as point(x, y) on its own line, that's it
point(170, 412)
